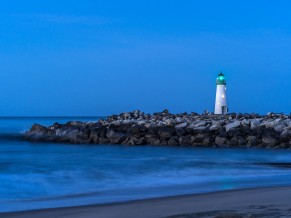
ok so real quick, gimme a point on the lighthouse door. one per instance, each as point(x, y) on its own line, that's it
point(223, 109)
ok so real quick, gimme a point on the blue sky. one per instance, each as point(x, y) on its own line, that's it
point(103, 57)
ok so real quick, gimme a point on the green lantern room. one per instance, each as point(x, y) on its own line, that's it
point(220, 79)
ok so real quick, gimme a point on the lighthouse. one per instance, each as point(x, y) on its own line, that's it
point(220, 101)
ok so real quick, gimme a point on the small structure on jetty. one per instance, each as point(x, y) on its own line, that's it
point(220, 100)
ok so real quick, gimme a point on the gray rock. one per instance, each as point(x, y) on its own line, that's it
point(166, 111)
point(232, 125)
point(139, 141)
point(233, 141)
point(241, 141)
point(75, 123)
point(141, 123)
point(152, 141)
point(166, 132)
point(184, 140)
point(60, 132)
point(201, 128)
point(254, 123)
point(181, 132)
point(126, 122)
point(252, 141)
point(201, 123)
point(179, 120)
point(182, 125)
point(285, 136)
point(270, 124)
point(207, 141)
point(134, 130)
point(36, 128)
point(245, 122)
point(173, 141)
point(220, 141)
point(279, 128)
point(287, 122)
point(160, 124)
point(197, 138)
point(268, 141)
point(103, 140)
point(214, 127)
point(170, 121)
point(115, 137)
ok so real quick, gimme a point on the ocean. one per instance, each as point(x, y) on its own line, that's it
point(45, 175)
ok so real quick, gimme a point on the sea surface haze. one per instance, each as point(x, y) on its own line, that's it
point(44, 175)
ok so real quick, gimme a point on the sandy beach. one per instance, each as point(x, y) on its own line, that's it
point(259, 202)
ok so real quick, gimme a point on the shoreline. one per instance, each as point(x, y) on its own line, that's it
point(270, 202)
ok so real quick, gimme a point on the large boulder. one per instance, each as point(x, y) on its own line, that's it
point(173, 141)
point(207, 141)
point(233, 141)
point(36, 128)
point(153, 141)
point(241, 141)
point(181, 132)
point(134, 130)
point(270, 142)
point(178, 120)
point(254, 123)
point(166, 133)
point(213, 127)
point(198, 138)
point(196, 124)
point(220, 141)
point(245, 131)
point(279, 128)
point(84, 133)
point(201, 128)
point(115, 137)
point(37, 133)
point(232, 125)
point(96, 133)
point(182, 125)
point(252, 141)
point(75, 123)
point(245, 122)
point(139, 141)
point(185, 140)
point(285, 136)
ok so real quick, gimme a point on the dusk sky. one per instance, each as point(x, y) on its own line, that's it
point(89, 57)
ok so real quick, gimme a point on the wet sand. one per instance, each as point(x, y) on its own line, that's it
point(260, 202)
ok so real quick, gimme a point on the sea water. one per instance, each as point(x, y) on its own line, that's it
point(45, 175)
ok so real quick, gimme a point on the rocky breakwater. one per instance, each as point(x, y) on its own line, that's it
point(138, 128)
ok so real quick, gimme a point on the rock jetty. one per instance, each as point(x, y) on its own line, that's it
point(207, 130)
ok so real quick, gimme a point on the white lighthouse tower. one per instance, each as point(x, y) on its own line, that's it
point(220, 101)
